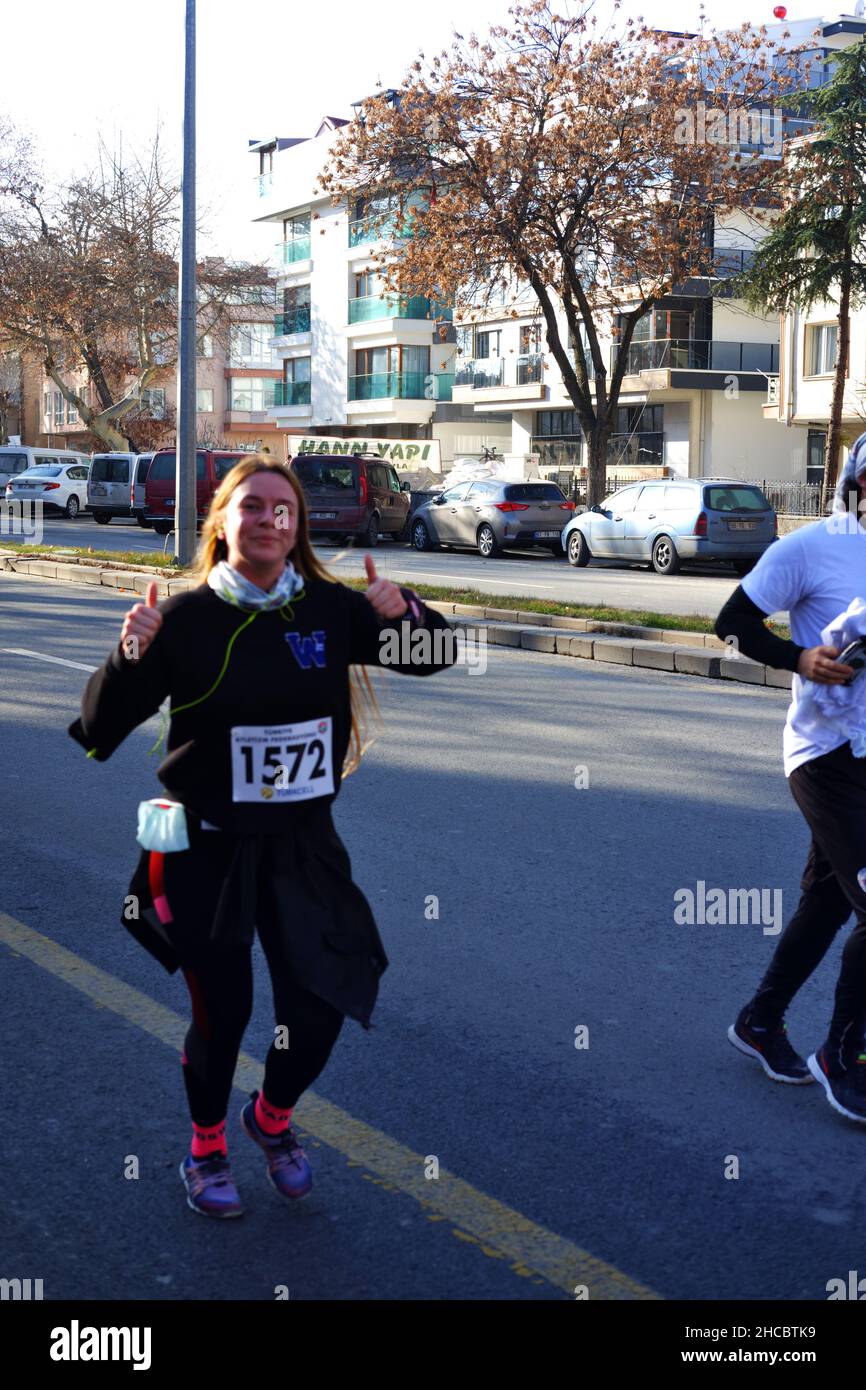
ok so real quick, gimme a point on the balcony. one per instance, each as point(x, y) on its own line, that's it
point(290, 393)
point(367, 308)
point(264, 183)
point(288, 252)
point(365, 230)
point(698, 354)
point(481, 373)
point(403, 386)
point(297, 321)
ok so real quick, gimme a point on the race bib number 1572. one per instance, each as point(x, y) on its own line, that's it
point(289, 762)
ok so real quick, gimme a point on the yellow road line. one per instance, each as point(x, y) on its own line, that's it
point(498, 1230)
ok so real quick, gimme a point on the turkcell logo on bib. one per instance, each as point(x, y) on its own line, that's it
point(285, 762)
point(307, 650)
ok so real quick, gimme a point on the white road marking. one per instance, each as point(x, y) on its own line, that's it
point(55, 660)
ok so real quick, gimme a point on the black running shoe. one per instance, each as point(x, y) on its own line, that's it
point(846, 1091)
point(771, 1048)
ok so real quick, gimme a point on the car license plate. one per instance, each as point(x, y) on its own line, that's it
point(323, 516)
point(169, 501)
point(545, 534)
point(742, 525)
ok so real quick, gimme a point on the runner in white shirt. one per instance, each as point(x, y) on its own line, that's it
point(814, 573)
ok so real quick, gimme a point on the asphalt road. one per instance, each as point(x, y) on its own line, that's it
point(556, 912)
point(532, 574)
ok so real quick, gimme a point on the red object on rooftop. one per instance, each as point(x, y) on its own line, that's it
point(780, 12)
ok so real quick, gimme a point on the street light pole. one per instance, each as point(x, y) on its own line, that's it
point(185, 499)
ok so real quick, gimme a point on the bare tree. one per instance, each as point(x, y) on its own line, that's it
point(568, 164)
point(88, 283)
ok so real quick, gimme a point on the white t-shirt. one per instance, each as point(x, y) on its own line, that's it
point(814, 573)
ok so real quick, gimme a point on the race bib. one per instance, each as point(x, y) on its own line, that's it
point(287, 762)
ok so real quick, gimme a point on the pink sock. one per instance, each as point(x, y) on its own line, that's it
point(269, 1118)
point(208, 1139)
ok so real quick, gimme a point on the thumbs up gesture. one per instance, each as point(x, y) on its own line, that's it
point(140, 626)
point(384, 596)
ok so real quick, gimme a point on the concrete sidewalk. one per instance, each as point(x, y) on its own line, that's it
point(587, 639)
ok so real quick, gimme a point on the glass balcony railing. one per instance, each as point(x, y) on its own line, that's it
point(530, 368)
point(404, 386)
point(699, 354)
point(367, 229)
point(265, 182)
point(292, 393)
point(296, 321)
point(290, 251)
point(387, 306)
point(484, 371)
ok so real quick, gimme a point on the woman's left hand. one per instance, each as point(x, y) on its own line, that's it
point(384, 596)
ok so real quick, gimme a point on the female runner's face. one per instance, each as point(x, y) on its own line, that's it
point(260, 527)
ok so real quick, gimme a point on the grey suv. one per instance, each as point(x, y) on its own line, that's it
point(671, 520)
point(493, 516)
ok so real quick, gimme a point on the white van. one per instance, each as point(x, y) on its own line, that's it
point(17, 458)
point(136, 491)
point(109, 486)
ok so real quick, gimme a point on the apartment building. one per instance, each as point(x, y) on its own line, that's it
point(237, 376)
point(357, 363)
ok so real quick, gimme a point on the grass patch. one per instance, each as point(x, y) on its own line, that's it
point(439, 593)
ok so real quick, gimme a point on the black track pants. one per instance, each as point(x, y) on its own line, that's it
point(831, 794)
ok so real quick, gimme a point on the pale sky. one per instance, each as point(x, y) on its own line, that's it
point(71, 72)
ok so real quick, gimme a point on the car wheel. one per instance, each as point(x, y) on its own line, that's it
point(488, 545)
point(665, 558)
point(73, 507)
point(162, 528)
point(102, 518)
point(578, 552)
point(370, 535)
point(420, 537)
point(742, 567)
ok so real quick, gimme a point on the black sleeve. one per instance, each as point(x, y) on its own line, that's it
point(744, 620)
point(121, 695)
point(376, 642)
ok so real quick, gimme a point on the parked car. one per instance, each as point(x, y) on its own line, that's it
point(136, 488)
point(108, 486)
point(356, 495)
point(59, 487)
point(211, 466)
point(672, 520)
point(17, 458)
point(492, 516)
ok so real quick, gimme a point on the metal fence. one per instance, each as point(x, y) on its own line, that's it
point(786, 498)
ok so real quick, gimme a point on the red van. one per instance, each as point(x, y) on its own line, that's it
point(211, 466)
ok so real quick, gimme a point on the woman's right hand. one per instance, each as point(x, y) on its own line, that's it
point(817, 664)
point(140, 626)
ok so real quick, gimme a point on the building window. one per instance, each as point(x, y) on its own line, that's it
point(204, 399)
point(59, 409)
point(252, 393)
point(821, 348)
point(71, 414)
point(530, 338)
point(296, 228)
point(297, 369)
point(153, 402)
point(815, 449)
point(250, 342)
point(206, 345)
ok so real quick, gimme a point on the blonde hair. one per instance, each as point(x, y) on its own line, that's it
point(212, 549)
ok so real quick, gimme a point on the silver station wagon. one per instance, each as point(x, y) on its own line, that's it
point(667, 522)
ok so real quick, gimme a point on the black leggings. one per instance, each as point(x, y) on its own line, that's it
point(831, 793)
point(221, 986)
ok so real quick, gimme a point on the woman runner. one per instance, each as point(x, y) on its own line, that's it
point(264, 711)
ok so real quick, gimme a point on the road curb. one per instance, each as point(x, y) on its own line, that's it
point(586, 639)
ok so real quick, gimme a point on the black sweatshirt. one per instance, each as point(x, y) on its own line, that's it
point(743, 619)
point(280, 673)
